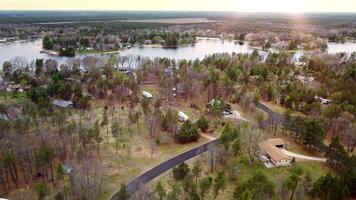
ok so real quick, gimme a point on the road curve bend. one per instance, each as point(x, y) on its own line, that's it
point(152, 173)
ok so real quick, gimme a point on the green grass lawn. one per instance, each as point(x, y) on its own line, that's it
point(280, 109)
point(84, 52)
point(244, 171)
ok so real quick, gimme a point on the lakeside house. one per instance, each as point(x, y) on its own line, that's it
point(269, 152)
point(182, 116)
point(16, 87)
point(148, 42)
point(63, 104)
point(281, 45)
point(147, 94)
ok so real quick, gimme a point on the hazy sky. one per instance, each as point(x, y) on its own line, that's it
point(200, 5)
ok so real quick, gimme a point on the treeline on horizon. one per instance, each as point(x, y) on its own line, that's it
point(8, 16)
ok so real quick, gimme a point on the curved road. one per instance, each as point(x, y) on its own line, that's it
point(273, 117)
point(152, 173)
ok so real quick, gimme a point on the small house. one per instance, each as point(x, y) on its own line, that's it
point(63, 104)
point(322, 100)
point(147, 94)
point(148, 42)
point(218, 105)
point(271, 149)
point(16, 87)
point(182, 116)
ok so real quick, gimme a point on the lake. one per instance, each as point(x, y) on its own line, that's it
point(30, 50)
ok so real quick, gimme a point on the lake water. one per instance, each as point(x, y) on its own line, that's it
point(30, 50)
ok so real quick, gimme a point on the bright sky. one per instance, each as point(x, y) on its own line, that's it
point(289, 6)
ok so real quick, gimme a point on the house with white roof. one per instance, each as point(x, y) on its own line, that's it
point(147, 94)
point(63, 104)
point(182, 116)
point(323, 100)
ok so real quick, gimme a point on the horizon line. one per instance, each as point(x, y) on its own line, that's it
point(211, 11)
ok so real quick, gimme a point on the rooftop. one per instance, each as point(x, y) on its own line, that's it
point(62, 103)
point(269, 146)
point(147, 94)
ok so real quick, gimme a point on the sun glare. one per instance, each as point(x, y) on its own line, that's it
point(282, 6)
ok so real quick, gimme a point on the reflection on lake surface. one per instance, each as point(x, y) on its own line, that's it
point(347, 47)
point(199, 50)
point(30, 50)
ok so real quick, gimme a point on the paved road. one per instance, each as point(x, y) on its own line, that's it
point(273, 117)
point(150, 174)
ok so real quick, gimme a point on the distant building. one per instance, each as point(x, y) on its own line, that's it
point(147, 94)
point(322, 100)
point(14, 113)
point(304, 79)
point(220, 105)
point(182, 116)
point(300, 64)
point(148, 42)
point(281, 45)
point(16, 87)
point(271, 150)
point(63, 104)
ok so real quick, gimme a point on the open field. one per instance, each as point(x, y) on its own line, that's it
point(171, 21)
point(136, 152)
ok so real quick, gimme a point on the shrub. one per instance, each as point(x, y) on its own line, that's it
point(187, 133)
point(68, 52)
point(122, 194)
point(180, 171)
point(42, 190)
point(203, 123)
